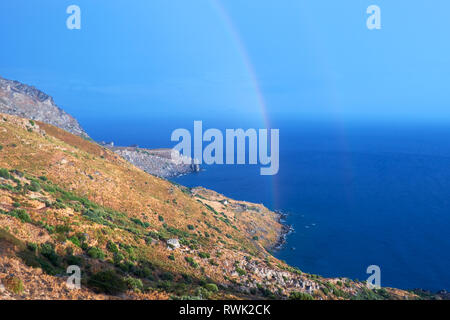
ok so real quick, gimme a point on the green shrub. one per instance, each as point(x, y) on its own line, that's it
point(4, 173)
point(240, 271)
point(213, 263)
point(118, 257)
point(75, 241)
point(172, 257)
point(14, 284)
point(21, 214)
point(112, 247)
point(48, 251)
point(32, 122)
point(34, 186)
point(134, 284)
point(204, 255)
point(161, 218)
point(212, 287)
point(73, 260)
point(190, 227)
point(62, 228)
point(96, 253)
point(16, 205)
point(107, 282)
point(166, 276)
point(140, 223)
point(191, 262)
point(202, 293)
point(33, 247)
point(300, 296)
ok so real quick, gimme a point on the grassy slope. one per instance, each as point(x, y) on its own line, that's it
point(89, 197)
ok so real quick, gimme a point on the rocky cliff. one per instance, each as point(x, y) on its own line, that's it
point(28, 102)
point(165, 163)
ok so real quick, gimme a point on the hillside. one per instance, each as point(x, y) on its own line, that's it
point(67, 201)
point(28, 102)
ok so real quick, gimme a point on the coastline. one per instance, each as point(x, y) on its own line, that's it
point(286, 230)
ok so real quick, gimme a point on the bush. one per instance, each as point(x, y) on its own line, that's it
point(212, 287)
point(118, 257)
point(21, 214)
point(34, 186)
point(161, 218)
point(203, 293)
point(112, 247)
point(33, 247)
point(204, 255)
point(73, 260)
point(240, 271)
point(107, 282)
point(191, 262)
point(48, 251)
point(140, 223)
point(4, 173)
point(75, 241)
point(134, 284)
point(96, 253)
point(190, 227)
point(167, 276)
point(14, 284)
point(300, 296)
point(62, 228)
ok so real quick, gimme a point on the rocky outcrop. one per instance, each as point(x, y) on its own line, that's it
point(28, 102)
point(165, 163)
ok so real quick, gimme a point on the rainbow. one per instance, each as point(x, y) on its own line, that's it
point(230, 26)
point(245, 57)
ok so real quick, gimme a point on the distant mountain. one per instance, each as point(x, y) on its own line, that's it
point(28, 102)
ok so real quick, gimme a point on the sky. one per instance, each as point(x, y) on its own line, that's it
point(253, 59)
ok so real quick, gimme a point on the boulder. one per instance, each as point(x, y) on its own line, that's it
point(173, 244)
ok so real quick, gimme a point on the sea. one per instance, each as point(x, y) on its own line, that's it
point(356, 193)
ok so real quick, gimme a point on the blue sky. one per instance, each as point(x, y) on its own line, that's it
point(159, 58)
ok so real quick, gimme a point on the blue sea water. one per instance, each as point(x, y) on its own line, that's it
point(356, 195)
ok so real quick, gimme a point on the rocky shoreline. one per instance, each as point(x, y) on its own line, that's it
point(163, 163)
point(286, 230)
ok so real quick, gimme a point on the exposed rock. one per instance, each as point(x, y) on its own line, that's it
point(173, 244)
point(28, 102)
point(165, 163)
